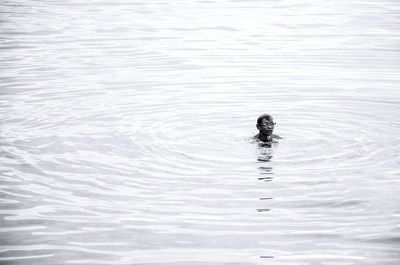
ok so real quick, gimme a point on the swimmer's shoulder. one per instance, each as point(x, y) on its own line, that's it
point(274, 137)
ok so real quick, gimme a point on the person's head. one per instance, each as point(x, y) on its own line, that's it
point(265, 124)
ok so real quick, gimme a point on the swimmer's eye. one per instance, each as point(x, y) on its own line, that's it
point(268, 124)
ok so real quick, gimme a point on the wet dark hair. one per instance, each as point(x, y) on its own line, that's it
point(264, 116)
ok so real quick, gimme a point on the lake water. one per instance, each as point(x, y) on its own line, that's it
point(126, 132)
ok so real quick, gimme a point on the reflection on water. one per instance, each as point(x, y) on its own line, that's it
point(265, 154)
point(125, 132)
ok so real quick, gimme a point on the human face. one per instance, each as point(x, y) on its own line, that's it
point(266, 127)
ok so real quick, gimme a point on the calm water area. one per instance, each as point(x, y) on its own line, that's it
point(126, 126)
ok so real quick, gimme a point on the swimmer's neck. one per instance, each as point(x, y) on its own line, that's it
point(265, 137)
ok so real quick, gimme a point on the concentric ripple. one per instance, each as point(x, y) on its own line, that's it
point(127, 132)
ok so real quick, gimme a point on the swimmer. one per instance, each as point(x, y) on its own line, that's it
point(265, 124)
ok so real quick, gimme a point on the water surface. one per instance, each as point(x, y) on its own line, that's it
point(126, 132)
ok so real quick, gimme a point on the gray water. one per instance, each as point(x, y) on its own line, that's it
point(126, 132)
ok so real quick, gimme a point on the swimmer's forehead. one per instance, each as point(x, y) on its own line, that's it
point(266, 120)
